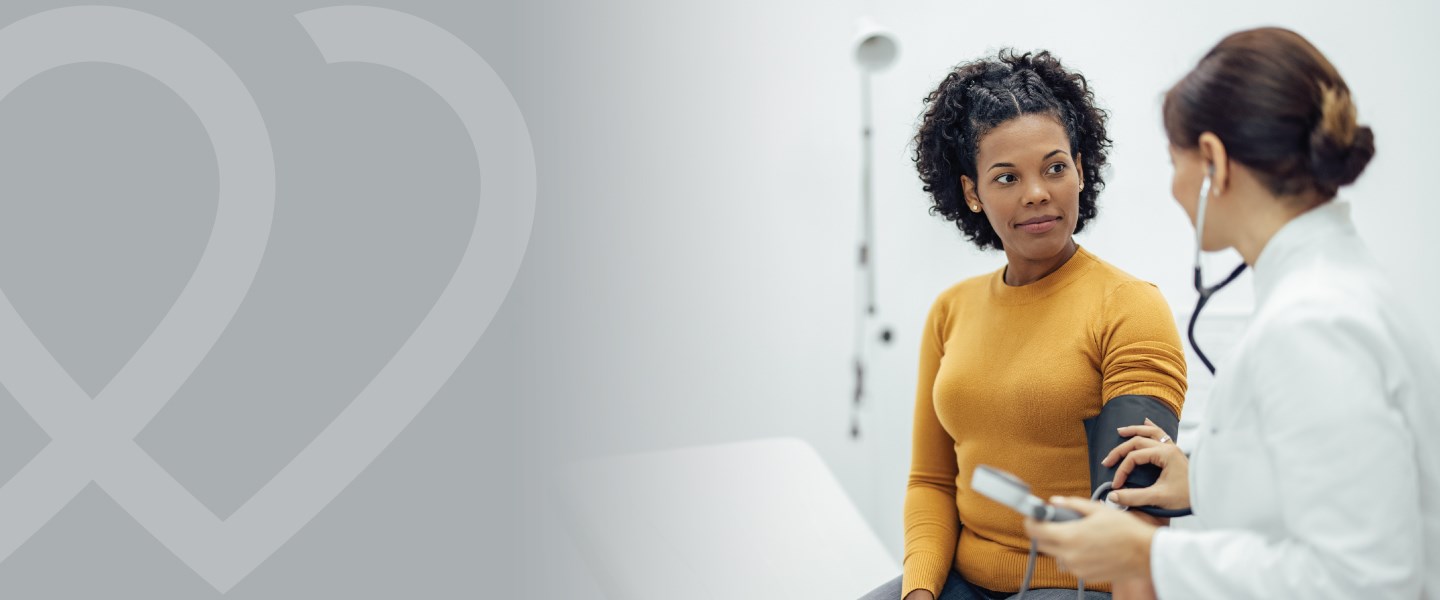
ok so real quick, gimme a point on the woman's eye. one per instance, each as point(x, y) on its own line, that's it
point(1005, 178)
point(1056, 168)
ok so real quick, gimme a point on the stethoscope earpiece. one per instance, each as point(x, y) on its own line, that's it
point(1205, 292)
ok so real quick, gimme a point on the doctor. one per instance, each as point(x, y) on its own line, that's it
point(1317, 473)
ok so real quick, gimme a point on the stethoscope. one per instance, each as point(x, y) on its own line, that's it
point(1205, 292)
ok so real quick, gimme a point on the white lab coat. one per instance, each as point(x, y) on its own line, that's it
point(1317, 470)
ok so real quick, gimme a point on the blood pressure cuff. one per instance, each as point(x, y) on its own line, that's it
point(1123, 411)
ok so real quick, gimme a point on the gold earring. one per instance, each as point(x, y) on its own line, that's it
point(975, 208)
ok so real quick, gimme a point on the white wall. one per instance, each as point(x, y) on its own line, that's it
point(691, 267)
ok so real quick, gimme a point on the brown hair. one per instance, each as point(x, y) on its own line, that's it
point(1280, 108)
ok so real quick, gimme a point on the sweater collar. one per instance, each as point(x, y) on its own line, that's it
point(1077, 265)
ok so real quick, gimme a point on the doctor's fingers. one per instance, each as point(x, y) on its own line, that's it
point(1131, 445)
point(1156, 454)
point(1065, 542)
point(1049, 537)
point(1155, 495)
point(1149, 430)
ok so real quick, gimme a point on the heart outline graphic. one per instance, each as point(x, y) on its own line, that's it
point(93, 441)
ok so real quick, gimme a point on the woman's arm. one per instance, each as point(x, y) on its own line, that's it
point(931, 523)
point(1139, 346)
point(1139, 353)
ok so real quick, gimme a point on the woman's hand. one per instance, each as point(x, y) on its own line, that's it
point(920, 595)
point(1149, 445)
point(1106, 545)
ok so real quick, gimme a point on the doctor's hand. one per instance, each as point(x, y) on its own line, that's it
point(1172, 489)
point(1106, 545)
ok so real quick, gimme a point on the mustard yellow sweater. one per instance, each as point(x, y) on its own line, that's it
point(1007, 375)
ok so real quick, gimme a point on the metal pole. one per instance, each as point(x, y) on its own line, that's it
point(865, 262)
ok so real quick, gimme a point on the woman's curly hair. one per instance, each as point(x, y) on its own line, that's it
point(978, 96)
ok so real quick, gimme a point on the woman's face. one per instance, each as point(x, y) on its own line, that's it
point(1028, 186)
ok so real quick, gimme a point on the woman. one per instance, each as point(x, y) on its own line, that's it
point(1011, 149)
point(1317, 474)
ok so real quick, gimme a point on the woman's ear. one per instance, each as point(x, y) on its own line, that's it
point(972, 198)
point(1217, 162)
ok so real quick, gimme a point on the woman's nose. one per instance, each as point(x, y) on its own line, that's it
point(1036, 194)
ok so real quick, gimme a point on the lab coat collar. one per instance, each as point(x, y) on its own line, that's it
point(1302, 237)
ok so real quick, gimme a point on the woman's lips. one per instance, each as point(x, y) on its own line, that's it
point(1040, 225)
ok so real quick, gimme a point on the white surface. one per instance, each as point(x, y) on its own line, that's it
point(753, 520)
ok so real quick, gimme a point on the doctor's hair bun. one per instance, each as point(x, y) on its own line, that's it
point(1279, 107)
point(1339, 146)
point(978, 96)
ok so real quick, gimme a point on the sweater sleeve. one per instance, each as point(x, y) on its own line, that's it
point(931, 523)
point(1140, 346)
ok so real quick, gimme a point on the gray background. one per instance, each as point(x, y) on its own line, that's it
point(109, 194)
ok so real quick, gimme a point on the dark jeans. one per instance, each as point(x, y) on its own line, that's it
point(956, 588)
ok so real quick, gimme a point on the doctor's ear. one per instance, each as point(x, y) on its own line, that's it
point(1217, 162)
